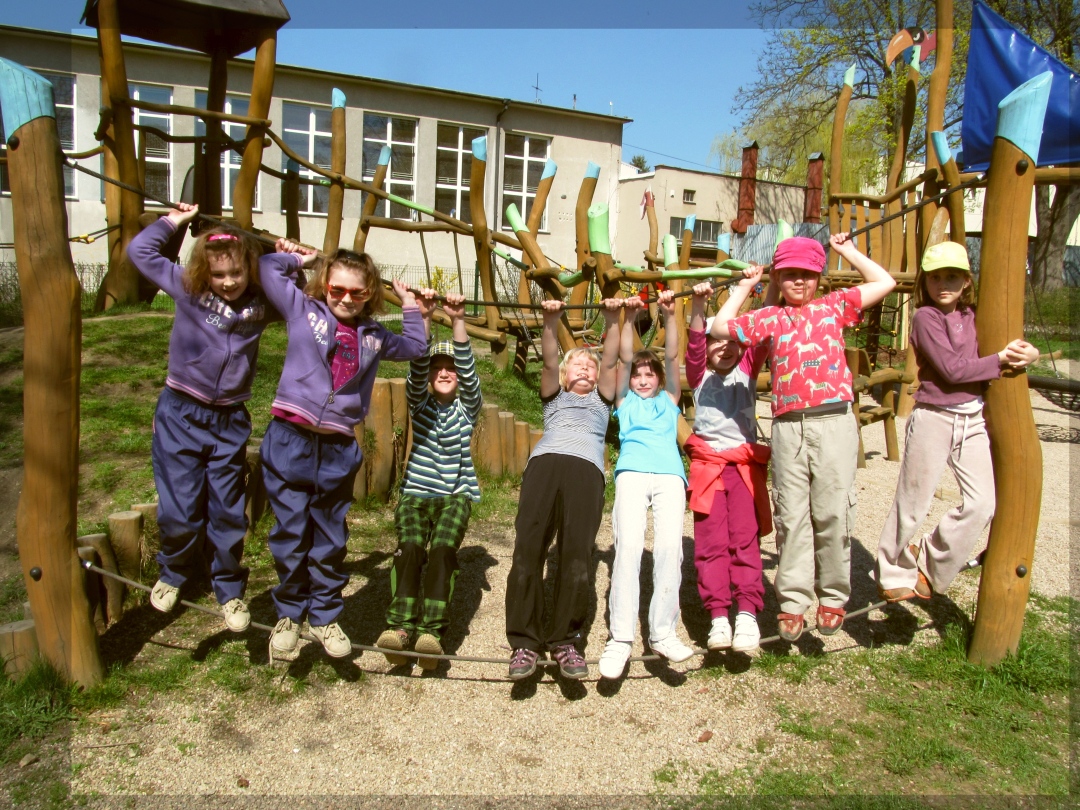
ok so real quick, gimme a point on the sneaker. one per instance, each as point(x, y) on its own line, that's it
point(613, 659)
point(237, 617)
point(333, 638)
point(720, 633)
point(164, 597)
point(394, 638)
point(672, 649)
point(747, 634)
point(285, 637)
point(522, 663)
point(571, 664)
point(427, 643)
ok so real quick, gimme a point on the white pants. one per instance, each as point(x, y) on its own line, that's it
point(635, 492)
point(936, 438)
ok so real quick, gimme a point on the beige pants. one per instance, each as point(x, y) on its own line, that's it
point(813, 477)
point(936, 438)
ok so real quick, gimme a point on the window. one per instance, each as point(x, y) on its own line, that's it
point(523, 166)
point(705, 231)
point(64, 99)
point(453, 163)
point(158, 180)
point(400, 135)
point(230, 160)
point(306, 130)
point(688, 196)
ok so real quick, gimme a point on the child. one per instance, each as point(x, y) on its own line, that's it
point(728, 493)
point(649, 472)
point(201, 426)
point(815, 441)
point(945, 428)
point(310, 455)
point(562, 490)
point(437, 493)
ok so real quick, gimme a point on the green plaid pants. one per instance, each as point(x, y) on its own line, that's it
point(420, 522)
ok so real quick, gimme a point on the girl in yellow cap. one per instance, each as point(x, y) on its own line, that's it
point(945, 428)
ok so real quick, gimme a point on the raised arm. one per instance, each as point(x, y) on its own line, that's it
point(464, 361)
point(665, 302)
point(626, 348)
point(426, 304)
point(145, 250)
point(549, 348)
point(736, 298)
point(695, 337)
point(412, 342)
point(878, 283)
point(609, 360)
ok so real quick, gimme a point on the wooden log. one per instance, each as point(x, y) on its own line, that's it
point(935, 104)
point(336, 204)
point(210, 202)
point(47, 514)
point(506, 443)
point(114, 589)
point(500, 352)
point(95, 589)
point(522, 447)
point(262, 88)
point(381, 422)
point(1014, 439)
point(534, 437)
point(18, 647)
point(291, 200)
point(954, 202)
point(489, 445)
point(399, 415)
point(125, 535)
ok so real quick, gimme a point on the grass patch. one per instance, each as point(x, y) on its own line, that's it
point(30, 708)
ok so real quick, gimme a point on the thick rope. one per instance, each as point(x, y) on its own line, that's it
point(542, 662)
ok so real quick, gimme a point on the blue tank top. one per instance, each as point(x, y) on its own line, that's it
point(648, 430)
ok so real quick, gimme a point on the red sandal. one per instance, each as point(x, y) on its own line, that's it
point(829, 619)
point(791, 626)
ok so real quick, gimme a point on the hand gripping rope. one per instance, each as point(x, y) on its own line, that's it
point(411, 654)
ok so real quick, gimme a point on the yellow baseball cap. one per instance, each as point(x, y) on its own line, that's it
point(945, 254)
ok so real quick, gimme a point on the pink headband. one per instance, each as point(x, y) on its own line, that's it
point(217, 237)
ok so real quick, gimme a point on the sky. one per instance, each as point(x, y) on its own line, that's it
point(672, 67)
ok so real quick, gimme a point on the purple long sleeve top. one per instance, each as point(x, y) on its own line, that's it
point(950, 369)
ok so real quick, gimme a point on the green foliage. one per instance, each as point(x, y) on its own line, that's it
point(640, 163)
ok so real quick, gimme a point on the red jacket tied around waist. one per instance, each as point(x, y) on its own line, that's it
point(706, 465)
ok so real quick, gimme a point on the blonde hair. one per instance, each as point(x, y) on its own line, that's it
point(570, 355)
point(363, 264)
point(921, 296)
point(243, 249)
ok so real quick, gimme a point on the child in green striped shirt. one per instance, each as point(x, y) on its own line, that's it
point(437, 492)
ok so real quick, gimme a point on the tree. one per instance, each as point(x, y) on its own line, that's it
point(789, 108)
point(640, 163)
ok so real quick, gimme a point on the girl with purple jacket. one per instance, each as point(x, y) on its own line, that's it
point(201, 426)
point(945, 428)
point(310, 455)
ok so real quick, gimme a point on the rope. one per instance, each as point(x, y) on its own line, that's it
point(472, 659)
point(93, 236)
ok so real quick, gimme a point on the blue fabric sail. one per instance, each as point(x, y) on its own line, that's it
point(1000, 59)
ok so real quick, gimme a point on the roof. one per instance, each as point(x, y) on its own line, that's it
point(231, 26)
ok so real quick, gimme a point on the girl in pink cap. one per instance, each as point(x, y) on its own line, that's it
point(815, 440)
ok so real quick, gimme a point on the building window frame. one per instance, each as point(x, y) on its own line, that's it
point(392, 131)
point(65, 111)
point(529, 164)
point(454, 189)
point(706, 231)
point(235, 104)
point(156, 155)
point(313, 144)
point(688, 196)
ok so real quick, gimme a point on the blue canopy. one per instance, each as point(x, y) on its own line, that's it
point(1000, 59)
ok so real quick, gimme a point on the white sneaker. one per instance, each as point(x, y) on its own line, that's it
point(334, 640)
point(164, 597)
point(285, 637)
point(613, 659)
point(237, 617)
point(747, 634)
point(672, 649)
point(720, 633)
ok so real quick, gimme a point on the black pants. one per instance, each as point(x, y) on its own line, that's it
point(564, 495)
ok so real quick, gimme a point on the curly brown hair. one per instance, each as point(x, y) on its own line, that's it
point(245, 252)
point(363, 264)
point(649, 358)
point(921, 296)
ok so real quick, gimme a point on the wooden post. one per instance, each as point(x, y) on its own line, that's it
point(1014, 441)
point(506, 443)
point(94, 587)
point(581, 227)
point(121, 283)
point(125, 535)
point(291, 200)
point(747, 189)
point(371, 201)
point(48, 505)
point(521, 446)
point(500, 352)
point(336, 205)
point(935, 106)
point(489, 444)
point(210, 203)
point(399, 418)
point(18, 647)
point(815, 174)
point(380, 421)
point(114, 589)
point(535, 435)
point(954, 202)
point(262, 88)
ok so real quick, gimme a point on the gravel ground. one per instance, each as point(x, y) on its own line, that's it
point(465, 731)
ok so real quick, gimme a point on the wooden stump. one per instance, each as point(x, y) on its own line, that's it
point(125, 535)
point(114, 589)
point(399, 415)
point(380, 422)
point(360, 488)
point(95, 588)
point(534, 437)
point(18, 647)
point(506, 443)
point(490, 446)
point(522, 448)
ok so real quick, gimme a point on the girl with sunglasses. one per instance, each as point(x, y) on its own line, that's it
point(310, 455)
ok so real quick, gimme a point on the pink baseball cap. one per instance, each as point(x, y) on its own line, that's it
point(799, 253)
